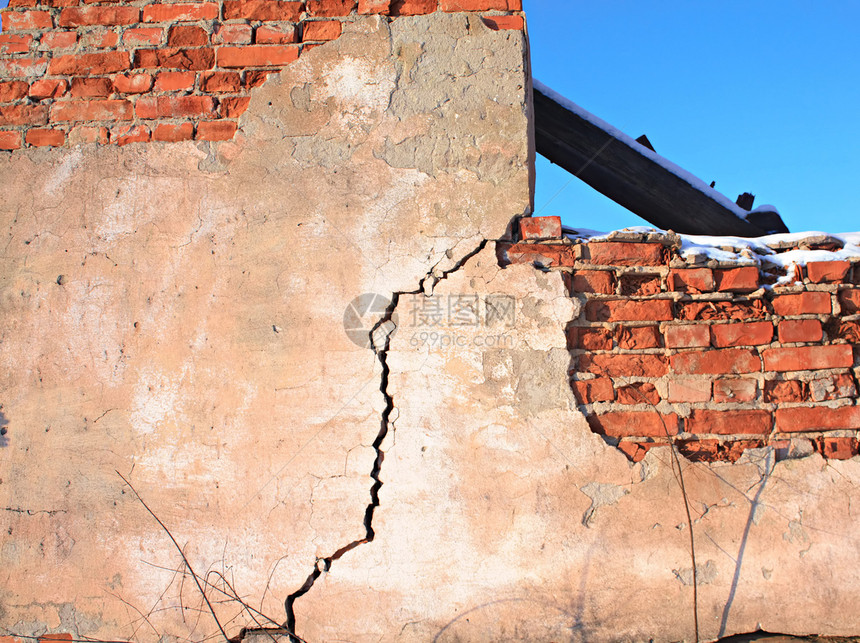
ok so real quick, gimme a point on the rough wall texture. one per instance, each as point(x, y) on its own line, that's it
point(717, 352)
point(183, 314)
point(81, 71)
point(175, 313)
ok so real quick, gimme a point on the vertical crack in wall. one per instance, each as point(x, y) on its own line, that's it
point(380, 337)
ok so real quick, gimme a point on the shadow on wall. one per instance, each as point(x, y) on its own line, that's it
point(4, 422)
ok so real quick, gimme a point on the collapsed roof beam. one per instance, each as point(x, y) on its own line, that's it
point(636, 177)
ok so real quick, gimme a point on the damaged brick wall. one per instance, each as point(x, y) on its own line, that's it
point(717, 356)
point(75, 71)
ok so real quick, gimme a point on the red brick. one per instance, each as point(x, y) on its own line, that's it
point(804, 303)
point(735, 389)
point(146, 107)
point(817, 418)
point(10, 140)
point(262, 10)
point(497, 23)
point(594, 339)
point(22, 3)
point(850, 300)
point(187, 11)
point(800, 330)
point(596, 390)
point(545, 254)
point(480, 5)
point(169, 81)
point(737, 279)
point(85, 16)
point(86, 134)
point(275, 35)
point(143, 36)
point(233, 106)
point(638, 337)
point(692, 280)
point(703, 421)
point(256, 77)
point(412, 7)
point(91, 110)
point(20, 67)
point(540, 228)
point(172, 132)
point(58, 40)
point(125, 134)
point(48, 88)
point(721, 310)
point(257, 56)
point(832, 387)
point(638, 393)
point(645, 424)
point(330, 8)
point(715, 362)
point(65, 636)
point(847, 330)
point(629, 310)
point(636, 451)
point(215, 130)
point(233, 34)
point(807, 358)
point(837, 448)
point(599, 281)
point(27, 20)
point(742, 334)
point(89, 64)
point(636, 285)
point(689, 390)
point(820, 272)
point(709, 450)
point(687, 336)
point(12, 90)
point(43, 137)
point(778, 391)
point(101, 39)
point(14, 44)
point(91, 87)
point(132, 83)
point(374, 6)
point(187, 36)
point(221, 81)
point(184, 106)
point(190, 59)
point(620, 253)
point(630, 365)
point(23, 115)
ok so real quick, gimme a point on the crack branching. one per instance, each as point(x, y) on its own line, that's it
point(380, 337)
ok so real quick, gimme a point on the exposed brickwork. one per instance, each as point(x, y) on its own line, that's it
point(103, 71)
point(715, 358)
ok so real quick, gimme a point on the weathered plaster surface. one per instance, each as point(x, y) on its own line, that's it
point(503, 517)
point(174, 313)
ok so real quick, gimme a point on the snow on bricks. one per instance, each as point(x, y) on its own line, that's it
point(75, 71)
point(716, 352)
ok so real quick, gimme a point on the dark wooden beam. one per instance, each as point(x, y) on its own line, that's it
point(622, 171)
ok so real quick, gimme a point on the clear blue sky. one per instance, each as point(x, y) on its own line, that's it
point(759, 96)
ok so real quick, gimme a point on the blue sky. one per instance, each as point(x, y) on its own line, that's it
point(759, 96)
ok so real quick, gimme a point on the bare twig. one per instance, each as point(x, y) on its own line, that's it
point(181, 553)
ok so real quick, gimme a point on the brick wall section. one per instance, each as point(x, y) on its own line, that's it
point(716, 357)
point(108, 72)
